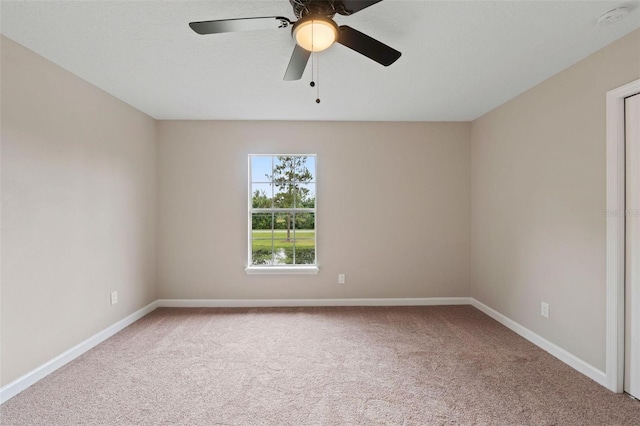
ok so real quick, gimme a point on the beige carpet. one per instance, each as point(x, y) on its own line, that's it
point(318, 366)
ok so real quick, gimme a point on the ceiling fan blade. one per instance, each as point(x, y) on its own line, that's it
point(242, 24)
point(297, 64)
point(367, 46)
point(353, 6)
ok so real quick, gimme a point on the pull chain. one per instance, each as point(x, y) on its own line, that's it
point(315, 63)
point(318, 86)
point(313, 55)
point(313, 83)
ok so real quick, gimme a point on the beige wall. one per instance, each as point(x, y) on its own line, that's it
point(538, 202)
point(393, 208)
point(78, 210)
point(509, 209)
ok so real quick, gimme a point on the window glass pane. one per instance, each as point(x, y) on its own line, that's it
point(305, 239)
point(260, 168)
point(303, 175)
point(284, 180)
point(281, 161)
point(283, 256)
point(261, 253)
point(261, 239)
point(283, 246)
point(261, 195)
point(261, 222)
point(306, 196)
point(283, 197)
point(280, 221)
point(306, 254)
point(305, 225)
point(311, 164)
point(305, 168)
point(283, 168)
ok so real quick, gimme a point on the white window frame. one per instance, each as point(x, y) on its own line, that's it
point(280, 269)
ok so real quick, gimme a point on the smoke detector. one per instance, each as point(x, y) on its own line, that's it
point(613, 16)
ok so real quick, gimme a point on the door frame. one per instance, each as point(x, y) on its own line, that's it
point(616, 234)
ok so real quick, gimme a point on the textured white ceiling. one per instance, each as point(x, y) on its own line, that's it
point(459, 60)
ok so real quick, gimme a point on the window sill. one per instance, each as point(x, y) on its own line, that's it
point(282, 270)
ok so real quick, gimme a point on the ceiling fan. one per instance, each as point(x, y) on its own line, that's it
point(314, 31)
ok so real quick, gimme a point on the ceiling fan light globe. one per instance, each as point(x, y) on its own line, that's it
point(315, 35)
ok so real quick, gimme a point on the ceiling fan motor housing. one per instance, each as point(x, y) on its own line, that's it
point(329, 8)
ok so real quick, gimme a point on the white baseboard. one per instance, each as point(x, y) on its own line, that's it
point(260, 303)
point(12, 389)
point(20, 384)
point(568, 358)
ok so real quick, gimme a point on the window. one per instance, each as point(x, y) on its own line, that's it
point(282, 214)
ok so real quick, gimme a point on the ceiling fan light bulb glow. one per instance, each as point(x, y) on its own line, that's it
point(315, 35)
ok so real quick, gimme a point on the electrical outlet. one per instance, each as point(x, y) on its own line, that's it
point(114, 297)
point(544, 310)
point(340, 278)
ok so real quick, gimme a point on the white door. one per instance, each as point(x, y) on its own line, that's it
point(632, 250)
